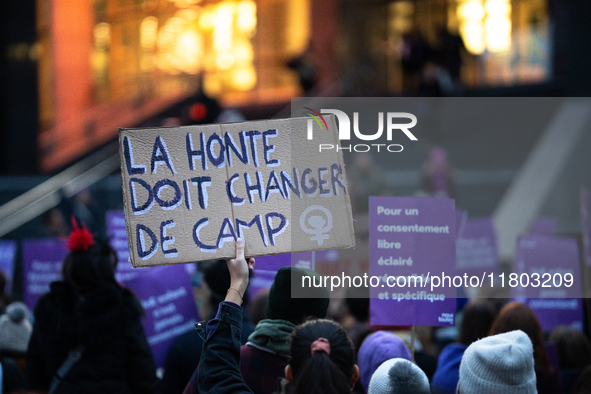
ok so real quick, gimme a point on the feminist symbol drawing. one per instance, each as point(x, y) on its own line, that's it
point(320, 225)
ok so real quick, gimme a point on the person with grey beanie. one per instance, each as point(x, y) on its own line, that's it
point(15, 330)
point(502, 363)
point(399, 376)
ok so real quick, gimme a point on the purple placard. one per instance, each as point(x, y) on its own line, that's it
point(7, 255)
point(330, 256)
point(267, 266)
point(42, 264)
point(421, 230)
point(461, 218)
point(476, 251)
point(554, 312)
point(167, 297)
point(265, 269)
point(261, 280)
point(551, 258)
point(553, 357)
point(117, 233)
point(272, 263)
point(586, 226)
point(543, 225)
point(277, 261)
point(304, 260)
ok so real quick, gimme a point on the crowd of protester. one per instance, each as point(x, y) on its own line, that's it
point(85, 336)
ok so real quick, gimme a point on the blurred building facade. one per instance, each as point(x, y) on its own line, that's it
point(75, 71)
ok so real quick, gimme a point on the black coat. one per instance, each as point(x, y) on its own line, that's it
point(107, 321)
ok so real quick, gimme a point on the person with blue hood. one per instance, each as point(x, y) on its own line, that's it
point(477, 320)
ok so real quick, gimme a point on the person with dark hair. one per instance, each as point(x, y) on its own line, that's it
point(265, 355)
point(258, 305)
point(4, 298)
point(574, 354)
point(87, 336)
point(321, 354)
point(477, 319)
point(184, 353)
point(321, 359)
point(517, 316)
point(583, 384)
point(357, 302)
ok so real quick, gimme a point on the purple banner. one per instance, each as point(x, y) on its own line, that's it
point(461, 218)
point(7, 256)
point(261, 280)
point(267, 267)
point(554, 312)
point(42, 264)
point(547, 278)
point(476, 251)
point(166, 292)
point(543, 225)
point(586, 226)
point(411, 237)
point(272, 263)
point(167, 297)
point(117, 232)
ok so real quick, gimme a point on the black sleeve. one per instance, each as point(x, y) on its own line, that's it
point(35, 370)
point(171, 380)
point(13, 380)
point(181, 362)
point(219, 368)
point(140, 362)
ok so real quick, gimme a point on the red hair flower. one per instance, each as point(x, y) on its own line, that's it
point(80, 238)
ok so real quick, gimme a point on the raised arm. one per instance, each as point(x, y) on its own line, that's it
point(219, 367)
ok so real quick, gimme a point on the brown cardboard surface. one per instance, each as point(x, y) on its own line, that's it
point(164, 206)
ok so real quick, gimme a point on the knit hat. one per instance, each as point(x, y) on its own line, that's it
point(281, 305)
point(399, 376)
point(445, 379)
point(15, 329)
point(377, 348)
point(502, 363)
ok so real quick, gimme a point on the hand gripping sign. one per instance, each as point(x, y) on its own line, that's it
point(190, 191)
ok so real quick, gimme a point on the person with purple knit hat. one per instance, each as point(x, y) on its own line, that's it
point(377, 348)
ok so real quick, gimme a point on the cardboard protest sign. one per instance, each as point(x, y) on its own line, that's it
point(547, 278)
point(167, 298)
point(411, 237)
point(7, 256)
point(117, 233)
point(42, 264)
point(190, 191)
point(476, 251)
